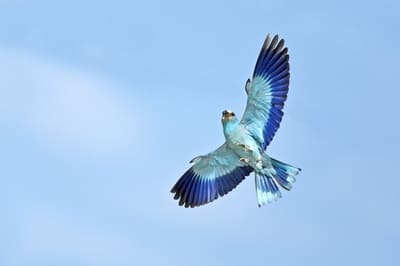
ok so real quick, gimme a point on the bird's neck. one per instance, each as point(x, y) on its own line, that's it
point(229, 126)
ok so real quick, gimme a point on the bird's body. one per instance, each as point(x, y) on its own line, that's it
point(244, 150)
point(239, 140)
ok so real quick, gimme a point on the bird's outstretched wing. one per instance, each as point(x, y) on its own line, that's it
point(211, 176)
point(267, 91)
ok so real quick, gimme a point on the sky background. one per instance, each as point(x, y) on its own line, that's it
point(103, 104)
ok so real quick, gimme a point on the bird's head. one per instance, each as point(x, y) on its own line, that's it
point(228, 116)
point(229, 121)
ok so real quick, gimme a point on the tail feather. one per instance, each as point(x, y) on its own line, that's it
point(267, 190)
point(285, 173)
point(266, 183)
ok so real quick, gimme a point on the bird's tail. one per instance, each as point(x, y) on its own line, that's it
point(267, 183)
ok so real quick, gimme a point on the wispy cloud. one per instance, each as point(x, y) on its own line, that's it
point(66, 107)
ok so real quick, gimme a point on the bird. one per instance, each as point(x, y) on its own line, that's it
point(246, 140)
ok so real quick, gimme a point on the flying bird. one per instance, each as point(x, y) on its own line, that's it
point(246, 140)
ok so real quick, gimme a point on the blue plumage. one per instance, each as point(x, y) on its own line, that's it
point(195, 190)
point(217, 173)
point(272, 73)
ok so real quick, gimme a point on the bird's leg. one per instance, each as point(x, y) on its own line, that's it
point(245, 147)
point(244, 160)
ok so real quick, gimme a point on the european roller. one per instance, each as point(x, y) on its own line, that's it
point(246, 140)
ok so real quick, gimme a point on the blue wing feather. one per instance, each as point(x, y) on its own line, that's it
point(267, 92)
point(211, 176)
point(202, 191)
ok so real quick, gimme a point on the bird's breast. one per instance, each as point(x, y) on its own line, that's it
point(244, 145)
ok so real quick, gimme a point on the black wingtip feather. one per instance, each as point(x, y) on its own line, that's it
point(271, 51)
point(274, 42)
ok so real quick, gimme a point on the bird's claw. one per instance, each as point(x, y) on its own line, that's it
point(244, 160)
point(246, 148)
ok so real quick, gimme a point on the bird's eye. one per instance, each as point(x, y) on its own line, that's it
point(224, 113)
point(233, 114)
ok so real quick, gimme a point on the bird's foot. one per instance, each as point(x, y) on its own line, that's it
point(246, 148)
point(244, 160)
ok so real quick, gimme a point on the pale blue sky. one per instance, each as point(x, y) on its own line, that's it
point(102, 105)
